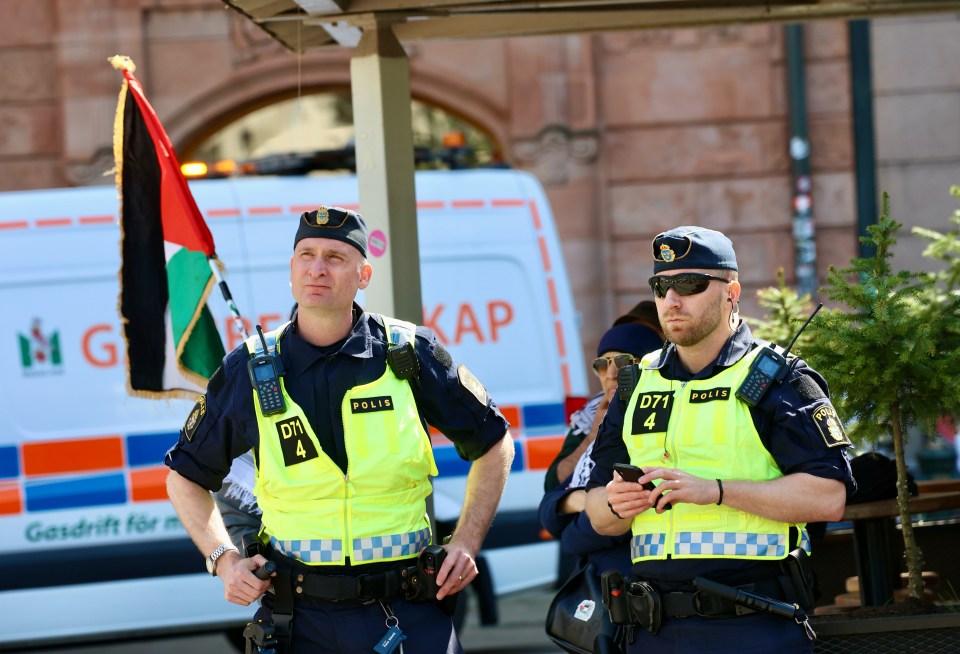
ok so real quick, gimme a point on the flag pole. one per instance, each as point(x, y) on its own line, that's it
point(227, 297)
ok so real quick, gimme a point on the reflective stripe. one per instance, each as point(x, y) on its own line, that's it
point(772, 545)
point(372, 548)
point(647, 545)
point(718, 543)
point(310, 551)
point(390, 547)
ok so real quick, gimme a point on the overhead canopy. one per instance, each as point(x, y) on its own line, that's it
point(306, 24)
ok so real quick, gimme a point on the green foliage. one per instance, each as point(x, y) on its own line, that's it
point(889, 349)
point(946, 248)
point(786, 312)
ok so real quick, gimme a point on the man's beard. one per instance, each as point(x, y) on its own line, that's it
point(695, 331)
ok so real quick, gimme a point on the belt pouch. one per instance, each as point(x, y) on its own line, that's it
point(797, 569)
point(645, 605)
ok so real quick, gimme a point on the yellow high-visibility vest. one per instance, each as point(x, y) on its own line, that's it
point(700, 427)
point(314, 512)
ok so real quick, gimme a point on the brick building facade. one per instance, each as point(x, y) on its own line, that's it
point(630, 132)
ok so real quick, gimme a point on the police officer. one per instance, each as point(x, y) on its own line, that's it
point(735, 482)
point(342, 471)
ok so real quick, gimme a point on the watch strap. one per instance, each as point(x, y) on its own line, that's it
point(217, 553)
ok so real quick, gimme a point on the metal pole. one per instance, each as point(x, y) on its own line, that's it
point(805, 247)
point(227, 297)
point(864, 156)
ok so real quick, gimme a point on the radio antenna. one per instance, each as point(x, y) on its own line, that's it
point(800, 331)
point(266, 350)
point(787, 351)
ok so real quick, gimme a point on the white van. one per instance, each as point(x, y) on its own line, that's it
point(92, 548)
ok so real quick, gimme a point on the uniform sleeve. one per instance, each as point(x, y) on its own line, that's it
point(574, 531)
point(550, 519)
point(570, 443)
point(217, 430)
point(453, 401)
point(609, 447)
point(801, 429)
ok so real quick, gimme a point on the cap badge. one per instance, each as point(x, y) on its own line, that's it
point(667, 254)
point(323, 216)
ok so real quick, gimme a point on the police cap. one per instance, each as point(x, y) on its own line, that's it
point(692, 247)
point(336, 223)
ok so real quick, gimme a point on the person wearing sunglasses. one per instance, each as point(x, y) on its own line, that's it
point(742, 479)
point(561, 508)
point(619, 346)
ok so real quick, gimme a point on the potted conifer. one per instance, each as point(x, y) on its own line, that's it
point(889, 348)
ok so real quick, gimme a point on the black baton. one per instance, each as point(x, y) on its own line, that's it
point(264, 571)
point(756, 602)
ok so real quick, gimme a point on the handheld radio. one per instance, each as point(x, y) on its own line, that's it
point(768, 368)
point(265, 370)
point(627, 378)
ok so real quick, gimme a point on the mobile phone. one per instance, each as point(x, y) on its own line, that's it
point(633, 473)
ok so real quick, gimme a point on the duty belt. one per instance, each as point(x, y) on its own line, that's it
point(344, 588)
point(307, 583)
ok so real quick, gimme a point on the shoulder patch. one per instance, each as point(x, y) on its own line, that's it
point(195, 417)
point(831, 430)
point(472, 384)
point(807, 389)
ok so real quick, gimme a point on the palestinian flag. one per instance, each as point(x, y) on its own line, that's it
point(165, 276)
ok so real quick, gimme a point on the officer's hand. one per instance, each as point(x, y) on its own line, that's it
point(629, 498)
point(457, 571)
point(679, 486)
point(240, 585)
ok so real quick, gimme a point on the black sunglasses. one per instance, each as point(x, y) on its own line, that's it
point(600, 363)
point(683, 284)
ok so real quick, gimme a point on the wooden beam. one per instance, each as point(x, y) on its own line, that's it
point(419, 20)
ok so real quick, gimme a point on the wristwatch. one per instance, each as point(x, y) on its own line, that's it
point(217, 553)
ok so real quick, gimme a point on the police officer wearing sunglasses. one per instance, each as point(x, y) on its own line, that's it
point(736, 482)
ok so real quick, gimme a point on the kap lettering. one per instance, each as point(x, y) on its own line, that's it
point(709, 395)
point(371, 404)
point(652, 413)
point(295, 443)
point(483, 324)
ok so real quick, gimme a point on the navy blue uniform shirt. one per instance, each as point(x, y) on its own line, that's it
point(785, 425)
point(317, 378)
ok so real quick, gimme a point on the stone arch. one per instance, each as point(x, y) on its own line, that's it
point(266, 82)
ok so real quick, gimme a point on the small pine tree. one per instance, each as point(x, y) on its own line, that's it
point(890, 353)
point(786, 311)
